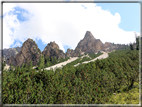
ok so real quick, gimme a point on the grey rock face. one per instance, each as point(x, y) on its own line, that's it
point(8, 53)
point(29, 52)
point(89, 44)
point(71, 53)
point(52, 50)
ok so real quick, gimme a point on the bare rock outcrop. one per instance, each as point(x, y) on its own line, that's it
point(89, 44)
point(12, 61)
point(71, 53)
point(8, 53)
point(29, 52)
point(52, 50)
point(107, 45)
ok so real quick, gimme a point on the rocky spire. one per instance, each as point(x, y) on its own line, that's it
point(89, 44)
point(89, 35)
point(29, 52)
point(53, 50)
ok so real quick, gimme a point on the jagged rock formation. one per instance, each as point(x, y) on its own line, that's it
point(12, 61)
point(107, 44)
point(8, 53)
point(89, 44)
point(71, 53)
point(52, 50)
point(29, 52)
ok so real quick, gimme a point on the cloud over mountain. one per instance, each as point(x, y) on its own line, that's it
point(64, 23)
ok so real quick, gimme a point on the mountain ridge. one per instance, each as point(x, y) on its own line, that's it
point(29, 49)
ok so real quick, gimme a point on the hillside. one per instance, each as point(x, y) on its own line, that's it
point(93, 73)
point(91, 83)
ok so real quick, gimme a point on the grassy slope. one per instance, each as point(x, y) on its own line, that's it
point(125, 97)
point(128, 97)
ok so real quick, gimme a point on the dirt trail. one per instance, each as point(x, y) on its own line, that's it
point(61, 64)
point(104, 55)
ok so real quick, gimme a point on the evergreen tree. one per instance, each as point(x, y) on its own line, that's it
point(54, 60)
point(131, 46)
point(137, 43)
point(23, 65)
point(3, 65)
point(30, 65)
point(47, 64)
point(41, 63)
point(26, 65)
point(11, 67)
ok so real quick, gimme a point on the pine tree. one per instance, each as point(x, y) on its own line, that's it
point(131, 46)
point(11, 67)
point(23, 65)
point(137, 43)
point(47, 64)
point(3, 65)
point(54, 60)
point(41, 63)
point(26, 65)
point(30, 65)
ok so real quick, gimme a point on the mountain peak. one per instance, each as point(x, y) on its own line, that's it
point(89, 44)
point(52, 50)
point(28, 52)
point(89, 35)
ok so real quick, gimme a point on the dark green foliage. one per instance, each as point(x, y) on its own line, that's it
point(3, 65)
point(94, 55)
point(90, 83)
point(30, 65)
point(41, 63)
point(74, 62)
point(53, 60)
point(137, 43)
point(131, 46)
point(79, 60)
point(11, 67)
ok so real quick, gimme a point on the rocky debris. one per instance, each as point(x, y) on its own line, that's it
point(60, 65)
point(89, 44)
point(103, 56)
point(85, 56)
point(7, 67)
point(29, 52)
point(52, 50)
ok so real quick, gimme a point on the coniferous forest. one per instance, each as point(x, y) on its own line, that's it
point(91, 83)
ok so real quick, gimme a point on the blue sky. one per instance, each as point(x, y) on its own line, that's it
point(45, 22)
point(130, 14)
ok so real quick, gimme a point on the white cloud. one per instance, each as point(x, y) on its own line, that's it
point(66, 24)
point(17, 11)
point(8, 7)
point(9, 22)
